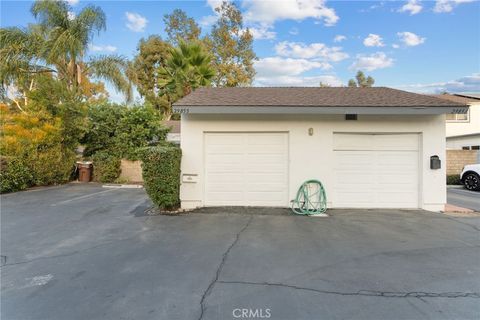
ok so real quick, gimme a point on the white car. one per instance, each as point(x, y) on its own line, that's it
point(470, 177)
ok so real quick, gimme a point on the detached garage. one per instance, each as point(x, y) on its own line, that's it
point(370, 147)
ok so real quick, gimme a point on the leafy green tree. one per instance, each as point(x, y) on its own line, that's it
point(58, 44)
point(179, 27)
point(119, 130)
point(232, 48)
point(187, 68)
point(361, 81)
point(152, 54)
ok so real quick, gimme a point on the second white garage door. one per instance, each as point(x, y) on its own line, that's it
point(246, 169)
point(376, 170)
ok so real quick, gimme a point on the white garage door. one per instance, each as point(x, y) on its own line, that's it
point(246, 169)
point(376, 170)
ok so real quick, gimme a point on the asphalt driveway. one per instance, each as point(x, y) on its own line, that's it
point(459, 196)
point(85, 252)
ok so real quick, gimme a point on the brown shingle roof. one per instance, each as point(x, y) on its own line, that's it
point(455, 98)
point(311, 96)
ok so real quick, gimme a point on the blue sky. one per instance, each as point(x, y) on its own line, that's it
point(423, 46)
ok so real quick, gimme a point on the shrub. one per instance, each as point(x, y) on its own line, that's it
point(121, 130)
point(161, 175)
point(453, 179)
point(14, 175)
point(33, 142)
point(106, 167)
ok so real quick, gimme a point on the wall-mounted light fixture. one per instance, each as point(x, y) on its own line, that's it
point(310, 131)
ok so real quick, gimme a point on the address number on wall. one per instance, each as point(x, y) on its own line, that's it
point(181, 110)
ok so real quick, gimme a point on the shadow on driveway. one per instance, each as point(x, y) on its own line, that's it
point(83, 252)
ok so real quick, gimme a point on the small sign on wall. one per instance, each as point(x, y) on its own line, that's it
point(189, 178)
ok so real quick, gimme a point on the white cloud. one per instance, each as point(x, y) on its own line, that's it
point(269, 11)
point(136, 22)
point(214, 3)
point(107, 48)
point(339, 38)
point(278, 66)
point(208, 20)
point(469, 83)
point(410, 39)
point(380, 5)
point(373, 40)
point(71, 15)
point(73, 2)
point(395, 46)
point(372, 62)
point(412, 6)
point(262, 31)
point(442, 6)
point(318, 51)
point(294, 31)
point(295, 81)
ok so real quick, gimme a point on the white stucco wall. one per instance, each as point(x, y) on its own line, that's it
point(471, 126)
point(319, 163)
point(457, 143)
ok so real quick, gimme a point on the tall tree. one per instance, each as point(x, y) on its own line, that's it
point(152, 54)
point(187, 68)
point(179, 27)
point(361, 81)
point(58, 44)
point(231, 46)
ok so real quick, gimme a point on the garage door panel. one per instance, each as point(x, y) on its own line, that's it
point(386, 176)
point(223, 139)
point(266, 149)
point(266, 139)
point(253, 172)
point(347, 141)
point(396, 142)
point(258, 197)
point(262, 176)
point(268, 158)
point(224, 168)
point(218, 178)
point(231, 187)
point(224, 150)
point(353, 159)
point(357, 199)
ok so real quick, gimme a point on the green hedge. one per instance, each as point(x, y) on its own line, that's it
point(121, 130)
point(14, 176)
point(453, 179)
point(106, 167)
point(161, 175)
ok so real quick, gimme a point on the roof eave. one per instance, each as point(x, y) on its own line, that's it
point(391, 110)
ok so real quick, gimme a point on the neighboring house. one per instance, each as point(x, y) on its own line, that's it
point(174, 134)
point(463, 130)
point(370, 147)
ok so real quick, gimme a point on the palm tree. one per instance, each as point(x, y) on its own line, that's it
point(187, 68)
point(58, 45)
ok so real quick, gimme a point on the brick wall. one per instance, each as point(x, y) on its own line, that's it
point(456, 159)
point(131, 170)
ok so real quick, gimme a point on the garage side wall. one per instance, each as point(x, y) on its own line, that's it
point(312, 156)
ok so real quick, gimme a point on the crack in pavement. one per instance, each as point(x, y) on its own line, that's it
point(207, 292)
point(368, 293)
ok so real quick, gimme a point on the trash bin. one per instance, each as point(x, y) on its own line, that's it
point(84, 171)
